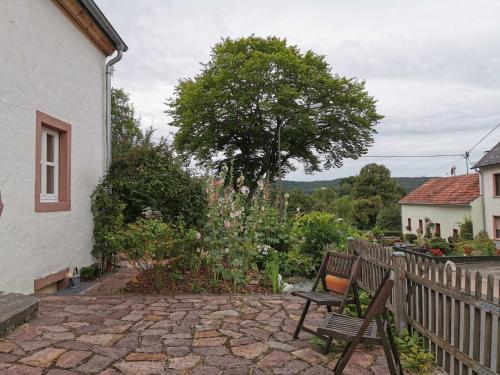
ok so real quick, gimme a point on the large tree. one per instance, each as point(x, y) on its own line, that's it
point(259, 100)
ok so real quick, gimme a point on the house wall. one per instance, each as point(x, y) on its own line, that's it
point(491, 203)
point(47, 64)
point(449, 217)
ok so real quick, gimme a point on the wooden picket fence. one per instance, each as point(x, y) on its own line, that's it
point(458, 318)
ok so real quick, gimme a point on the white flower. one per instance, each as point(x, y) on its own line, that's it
point(198, 235)
point(226, 250)
point(240, 179)
point(261, 184)
point(227, 224)
point(236, 214)
point(245, 190)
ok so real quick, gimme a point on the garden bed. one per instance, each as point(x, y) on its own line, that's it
point(188, 282)
point(422, 253)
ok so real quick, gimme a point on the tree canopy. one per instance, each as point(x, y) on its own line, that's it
point(259, 100)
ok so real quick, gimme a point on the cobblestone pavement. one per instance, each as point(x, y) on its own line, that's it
point(192, 334)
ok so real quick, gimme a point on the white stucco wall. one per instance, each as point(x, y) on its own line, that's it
point(491, 203)
point(47, 64)
point(448, 216)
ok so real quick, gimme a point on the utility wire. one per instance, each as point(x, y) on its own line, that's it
point(409, 156)
point(482, 139)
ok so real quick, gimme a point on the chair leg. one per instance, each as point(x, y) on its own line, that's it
point(395, 352)
point(328, 308)
point(301, 320)
point(387, 347)
point(345, 356)
point(356, 301)
point(328, 345)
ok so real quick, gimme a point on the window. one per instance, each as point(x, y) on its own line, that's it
point(496, 227)
point(53, 164)
point(49, 164)
point(496, 185)
point(437, 232)
point(408, 227)
point(420, 226)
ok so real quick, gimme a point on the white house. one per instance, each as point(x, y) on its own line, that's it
point(442, 204)
point(489, 171)
point(55, 127)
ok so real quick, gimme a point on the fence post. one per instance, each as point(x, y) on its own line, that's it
point(400, 305)
point(350, 245)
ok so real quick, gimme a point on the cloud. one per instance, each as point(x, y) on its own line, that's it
point(432, 66)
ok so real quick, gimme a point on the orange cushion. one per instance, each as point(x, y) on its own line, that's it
point(336, 284)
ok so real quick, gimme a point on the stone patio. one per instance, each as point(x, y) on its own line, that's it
point(192, 334)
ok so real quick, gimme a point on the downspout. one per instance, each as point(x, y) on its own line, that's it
point(109, 132)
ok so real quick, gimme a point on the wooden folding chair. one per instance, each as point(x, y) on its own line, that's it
point(344, 266)
point(372, 329)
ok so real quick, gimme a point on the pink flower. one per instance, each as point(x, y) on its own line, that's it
point(227, 224)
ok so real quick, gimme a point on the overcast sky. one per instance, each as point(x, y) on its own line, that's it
point(433, 66)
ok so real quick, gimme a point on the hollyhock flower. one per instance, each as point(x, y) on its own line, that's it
point(198, 235)
point(227, 224)
point(245, 190)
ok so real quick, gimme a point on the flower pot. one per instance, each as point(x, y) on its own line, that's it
point(75, 281)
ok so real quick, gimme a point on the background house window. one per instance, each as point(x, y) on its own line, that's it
point(496, 228)
point(437, 232)
point(53, 164)
point(496, 185)
point(408, 227)
point(421, 226)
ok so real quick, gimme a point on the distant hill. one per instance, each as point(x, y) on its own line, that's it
point(408, 183)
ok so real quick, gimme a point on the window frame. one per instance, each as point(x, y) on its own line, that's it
point(496, 185)
point(437, 230)
point(495, 218)
point(44, 163)
point(62, 200)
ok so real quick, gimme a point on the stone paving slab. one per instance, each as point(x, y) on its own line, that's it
point(185, 334)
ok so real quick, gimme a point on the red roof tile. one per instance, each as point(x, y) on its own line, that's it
point(455, 190)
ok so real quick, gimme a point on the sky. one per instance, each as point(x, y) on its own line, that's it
point(433, 66)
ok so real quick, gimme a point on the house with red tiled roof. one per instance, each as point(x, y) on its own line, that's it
point(441, 204)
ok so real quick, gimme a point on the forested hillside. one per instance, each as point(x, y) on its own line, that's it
point(408, 183)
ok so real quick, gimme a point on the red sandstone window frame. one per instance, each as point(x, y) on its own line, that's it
point(496, 235)
point(496, 185)
point(63, 203)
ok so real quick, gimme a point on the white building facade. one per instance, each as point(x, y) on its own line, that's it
point(52, 121)
point(442, 204)
point(489, 170)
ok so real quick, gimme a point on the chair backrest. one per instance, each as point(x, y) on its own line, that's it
point(340, 265)
point(379, 300)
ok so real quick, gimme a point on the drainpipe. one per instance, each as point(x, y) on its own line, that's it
point(120, 48)
point(109, 73)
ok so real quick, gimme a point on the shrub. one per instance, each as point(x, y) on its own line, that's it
point(89, 273)
point(149, 243)
point(389, 217)
point(466, 230)
point(149, 176)
point(293, 264)
point(410, 237)
point(439, 243)
point(484, 244)
point(317, 229)
point(414, 356)
point(107, 211)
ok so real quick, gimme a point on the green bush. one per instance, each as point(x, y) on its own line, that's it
point(389, 217)
point(410, 237)
point(484, 244)
point(317, 229)
point(107, 211)
point(149, 176)
point(294, 264)
point(466, 230)
point(439, 243)
point(89, 273)
point(414, 356)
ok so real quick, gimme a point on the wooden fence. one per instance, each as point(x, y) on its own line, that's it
point(454, 311)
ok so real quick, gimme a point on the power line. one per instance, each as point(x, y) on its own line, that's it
point(410, 156)
point(443, 166)
point(482, 139)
